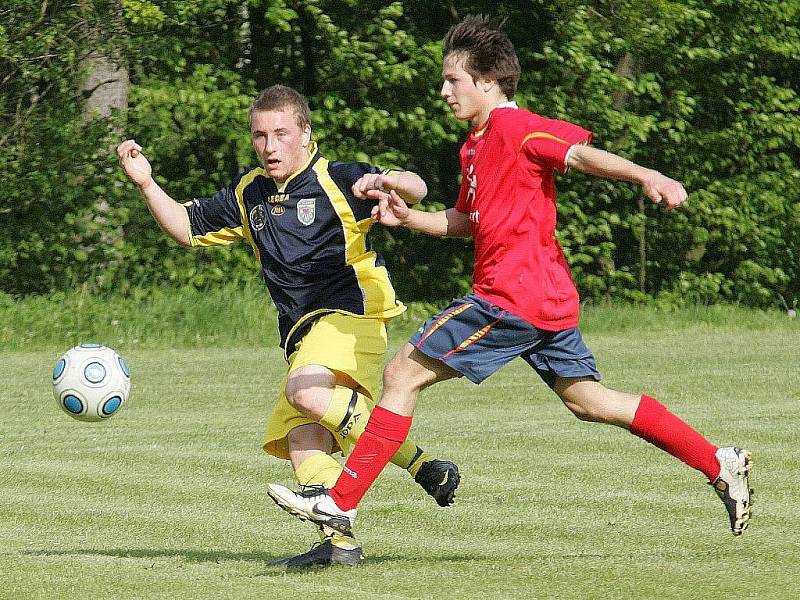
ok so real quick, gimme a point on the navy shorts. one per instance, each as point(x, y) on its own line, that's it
point(476, 338)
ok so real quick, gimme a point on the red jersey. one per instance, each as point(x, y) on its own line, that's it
point(508, 190)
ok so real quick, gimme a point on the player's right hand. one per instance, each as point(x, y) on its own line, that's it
point(134, 163)
point(664, 190)
point(391, 210)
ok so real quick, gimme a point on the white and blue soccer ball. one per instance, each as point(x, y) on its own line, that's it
point(91, 382)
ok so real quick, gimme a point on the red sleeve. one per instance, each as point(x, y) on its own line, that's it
point(549, 140)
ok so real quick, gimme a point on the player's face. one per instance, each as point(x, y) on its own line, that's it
point(281, 144)
point(461, 92)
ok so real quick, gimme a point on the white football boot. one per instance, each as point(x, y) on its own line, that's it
point(313, 504)
point(733, 486)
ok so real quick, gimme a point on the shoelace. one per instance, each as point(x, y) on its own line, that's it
point(309, 491)
point(315, 545)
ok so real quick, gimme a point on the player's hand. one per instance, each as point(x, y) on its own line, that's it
point(391, 210)
point(134, 163)
point(659, 187)
point(371, 182)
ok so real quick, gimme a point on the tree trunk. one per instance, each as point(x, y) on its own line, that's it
point(106, 82)
point(628, 68)
point(105, 85)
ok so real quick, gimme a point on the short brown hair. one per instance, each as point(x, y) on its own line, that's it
point(277, 97)
point(488, 50)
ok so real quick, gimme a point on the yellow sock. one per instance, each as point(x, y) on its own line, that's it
point(411, 457)
point(319, 469)
point(323, 469)
point(347, 418)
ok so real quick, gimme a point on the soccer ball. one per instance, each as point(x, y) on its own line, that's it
point(91, 382)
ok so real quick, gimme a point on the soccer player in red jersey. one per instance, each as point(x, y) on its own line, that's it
point(524, 302)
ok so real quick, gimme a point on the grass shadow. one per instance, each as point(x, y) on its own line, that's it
point(199, 556)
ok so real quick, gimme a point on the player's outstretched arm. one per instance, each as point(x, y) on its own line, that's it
point(392, 211)
point(170, 216)
point(658, 187)
point(410, 186)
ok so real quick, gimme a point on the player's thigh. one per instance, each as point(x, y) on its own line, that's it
point(350, 348)
point(562, 355)
point(411, 369)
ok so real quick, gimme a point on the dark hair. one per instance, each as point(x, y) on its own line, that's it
point(488, 50)
point(277, 97)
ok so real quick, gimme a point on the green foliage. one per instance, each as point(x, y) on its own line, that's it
point(57, 229)
point(717, 109)
point(703, 91)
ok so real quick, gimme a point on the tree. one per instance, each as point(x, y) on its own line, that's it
point(704, 91)
point(48, 151)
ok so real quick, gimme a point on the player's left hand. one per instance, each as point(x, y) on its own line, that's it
point(660, 188)
point(373, 181)
point(390, 210)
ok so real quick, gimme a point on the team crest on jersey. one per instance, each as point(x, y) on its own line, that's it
point(306, 210)
point(258, 217)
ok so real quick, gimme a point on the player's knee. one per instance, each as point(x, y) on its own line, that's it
point(309, 389)
point(298, 397)
point(302, 398)
point(586, 399)
point(585, 413)
point(587, 407)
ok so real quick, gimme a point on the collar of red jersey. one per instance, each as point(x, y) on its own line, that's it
point(479, 131)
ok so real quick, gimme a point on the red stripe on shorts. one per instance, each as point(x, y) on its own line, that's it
point(442, 320)
point(471, 339)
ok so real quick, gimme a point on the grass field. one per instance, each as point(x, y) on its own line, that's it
point(167, 499)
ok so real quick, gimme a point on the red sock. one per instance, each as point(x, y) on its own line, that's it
point(655, 424)
point(382, 437)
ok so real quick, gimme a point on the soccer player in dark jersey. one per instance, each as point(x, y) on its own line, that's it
point(307, 219)
point(524, 302)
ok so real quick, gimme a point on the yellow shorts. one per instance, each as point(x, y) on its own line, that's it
point(342, 343)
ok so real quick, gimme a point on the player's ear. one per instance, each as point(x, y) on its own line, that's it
point(306, 136)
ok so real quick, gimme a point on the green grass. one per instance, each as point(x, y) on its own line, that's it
point(244, 316)
point(167, 499)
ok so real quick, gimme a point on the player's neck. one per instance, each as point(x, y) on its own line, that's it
point(481, 118)
point(308, 154)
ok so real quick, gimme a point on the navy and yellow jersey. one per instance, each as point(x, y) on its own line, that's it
point(310, 236)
